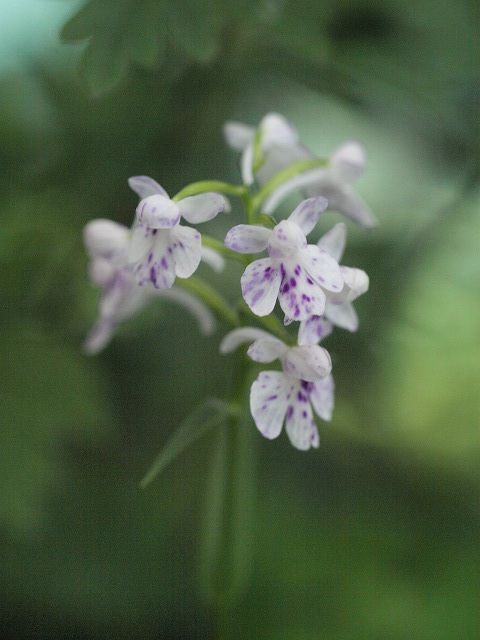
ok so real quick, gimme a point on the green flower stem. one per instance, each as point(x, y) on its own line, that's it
point(213, 243)
point(283, 176)
point(258, 157)
point(226, 542)
point(211, 185)
point(212, 299)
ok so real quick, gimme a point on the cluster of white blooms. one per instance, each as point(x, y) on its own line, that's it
point(132, 266)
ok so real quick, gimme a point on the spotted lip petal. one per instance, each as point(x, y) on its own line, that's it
point(158, 212)
point(145, 187)
point(245, 238)
point(269, 397)
point(260, 284)
point(299, 424)
point(299, 296)
point(202, 207)
point(153, 261)
point(308, 362)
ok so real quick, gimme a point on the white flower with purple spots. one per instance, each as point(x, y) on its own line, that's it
point(289, 396)
point(121, 296)
point(296, 273)
point(281, 147)
point(160, 247)
point(339, 310)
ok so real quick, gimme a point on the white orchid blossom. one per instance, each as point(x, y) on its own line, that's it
point(280, 148)
point(298, 274)
point(339, 310)
point(121, 296)
point(160, 248)
point(287, 396)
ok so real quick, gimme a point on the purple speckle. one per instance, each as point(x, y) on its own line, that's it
point(293, 282)
point(289, 412)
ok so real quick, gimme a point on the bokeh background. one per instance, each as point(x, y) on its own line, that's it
point(375, 535)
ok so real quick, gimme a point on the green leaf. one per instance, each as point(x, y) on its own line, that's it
point(196, 27)
point(121, 33)
point(213, 413)
point(227, 535)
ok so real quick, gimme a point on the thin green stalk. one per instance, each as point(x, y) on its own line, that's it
point(283, 176)
point(212, 299)
point(205, 186)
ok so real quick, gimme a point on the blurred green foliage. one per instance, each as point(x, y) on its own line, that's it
point(376, 534)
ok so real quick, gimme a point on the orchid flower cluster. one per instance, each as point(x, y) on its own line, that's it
point(159, 255)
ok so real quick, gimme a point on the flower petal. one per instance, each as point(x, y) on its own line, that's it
point(260, 284)
point(356, 282)
point(238, 135)
point(342, 315)
point(157, 265)
point(267, 349)
point(322, 268)
point(235, 338)
point(99, 336)
point(101, 271)
point(299, 424)
point(334, 241)
point(194, 306)
point(141, 242)
point(308, 212)
point(348, 161)
point(246, 164)
point(247, 238)
point(300, 181)
point(145, 186)
point(269, 396)
point(186, 249)
point(158, 212)
point(314, 330)
point(307, 362)
point(322, 397)
point(300, 297)
point(104, 238)
point(276, 130)
point(214, 259)
point(202, 207)
point(342, 198)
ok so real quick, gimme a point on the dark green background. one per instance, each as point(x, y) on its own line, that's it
point(375, 535)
